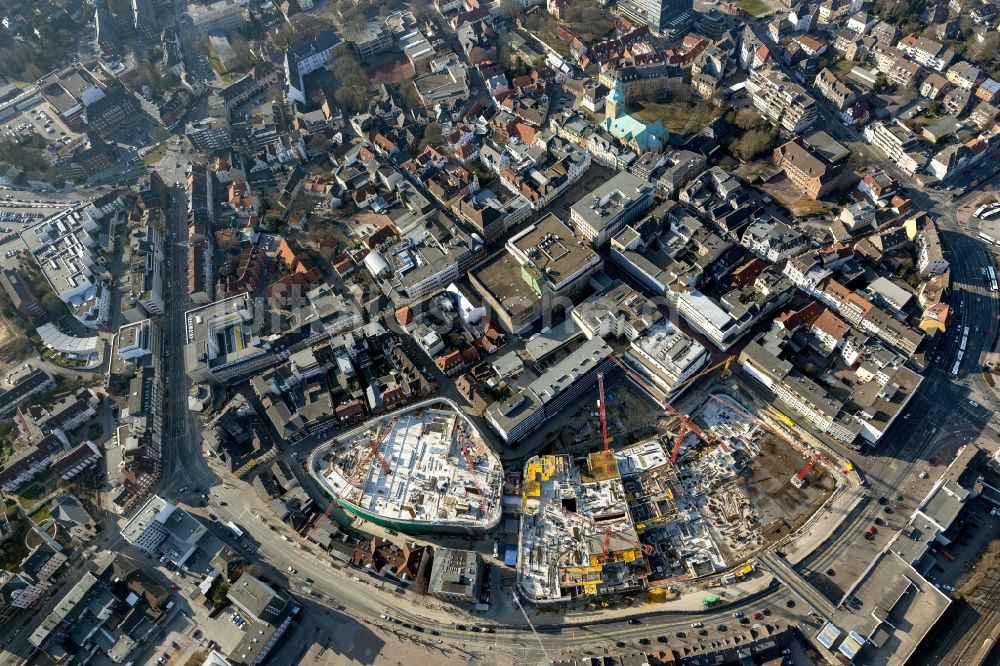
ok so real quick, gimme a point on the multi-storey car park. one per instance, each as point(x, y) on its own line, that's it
point(423, 470)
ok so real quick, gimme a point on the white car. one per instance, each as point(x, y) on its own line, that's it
point(292, 570)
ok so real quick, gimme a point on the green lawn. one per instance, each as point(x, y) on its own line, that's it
point(844, 67)
point(753, 7)
point(677, 117)
point(155, 155)
point(41, 514)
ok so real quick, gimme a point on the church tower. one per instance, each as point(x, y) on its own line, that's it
point(614, 101)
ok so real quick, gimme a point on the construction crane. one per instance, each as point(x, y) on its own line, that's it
point(465, 445)
point(816, 457)
point(601, 405)
point(799, 479)
point(687, 425)
point(373, 452)
point(724, 364)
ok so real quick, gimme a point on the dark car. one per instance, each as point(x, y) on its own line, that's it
point(620, 644)
point(632, 620)
point(643, 641)
point(460, 627)
point(720, 627)
point(790, 603)
point(680, 634)
point(661, 639)
point(703, 632)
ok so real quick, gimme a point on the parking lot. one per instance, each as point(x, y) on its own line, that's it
point(41, 120)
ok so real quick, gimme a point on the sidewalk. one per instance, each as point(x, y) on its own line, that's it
point(824, 523)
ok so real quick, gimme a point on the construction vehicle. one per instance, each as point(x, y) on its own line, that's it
point(799, 480)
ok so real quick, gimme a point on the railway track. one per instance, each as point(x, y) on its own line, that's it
point(973, 628)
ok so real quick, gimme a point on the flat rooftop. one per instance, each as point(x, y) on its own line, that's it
point(500, 275)
point(223, 330)
point(430, 479)
point(549, 249)
point(668, 354)
point(61, 245)
point(825, 147)
point(564, 374)
point(64, 89)
point(897, 609)
point(621, 301)
point(610, 199)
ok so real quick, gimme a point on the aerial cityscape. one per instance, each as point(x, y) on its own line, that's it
point(503, 332)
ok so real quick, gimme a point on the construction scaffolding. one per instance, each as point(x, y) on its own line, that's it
point(433, 468)
point(577, 537)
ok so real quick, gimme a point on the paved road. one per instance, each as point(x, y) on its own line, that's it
point(183, 461)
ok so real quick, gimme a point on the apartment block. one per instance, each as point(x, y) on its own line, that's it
point(896, 142)
point(813, 163)
point(833, 89)
point(782, 102)
point(64, 245)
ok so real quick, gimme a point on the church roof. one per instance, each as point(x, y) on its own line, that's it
point(646, 136)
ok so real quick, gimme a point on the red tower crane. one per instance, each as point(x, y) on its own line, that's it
point(319, 520)
point(604, 423)
point(799, 479)
point(373, 452)
point(687, 425)
point(646, 548)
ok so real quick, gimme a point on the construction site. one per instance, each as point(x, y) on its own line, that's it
point(694, 500)
point(427, 470)
point(577, 536)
